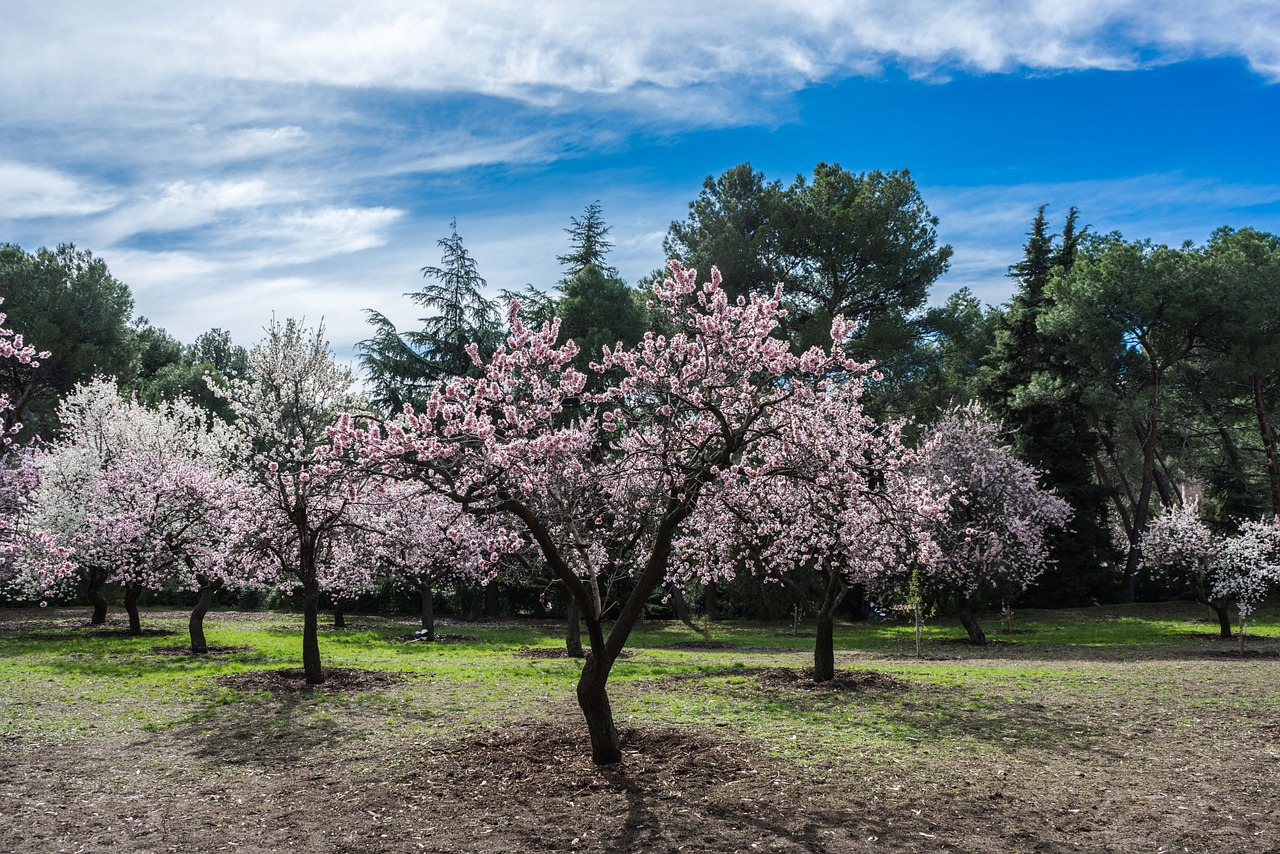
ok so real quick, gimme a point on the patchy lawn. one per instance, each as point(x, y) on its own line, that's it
point(1103, 729)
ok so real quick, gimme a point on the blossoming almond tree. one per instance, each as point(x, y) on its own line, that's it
point(989, 529)
point(172, 523)
point(31, 561)
point(827, 495)
point(1178, 542)
point(421, 540)
point(293, 392)
point(676, 414)
point(1247, 568)
point(100, 429)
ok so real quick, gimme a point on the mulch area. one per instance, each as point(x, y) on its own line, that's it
point(294, 679)
point(844, 680)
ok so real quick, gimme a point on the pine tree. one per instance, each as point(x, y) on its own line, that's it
point(402, 367)
point(588, 243)
point(1036, 394)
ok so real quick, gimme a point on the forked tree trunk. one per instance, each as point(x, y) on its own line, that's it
point(573, 631)
point(310, 633)
point(970, 623)
point(195, 626)
point(428, 612)
point(93, 591)
point(131, 594)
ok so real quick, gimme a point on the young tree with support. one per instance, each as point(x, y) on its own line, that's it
point(683, 411)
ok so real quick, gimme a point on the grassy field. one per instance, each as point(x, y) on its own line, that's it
point(1104, 729)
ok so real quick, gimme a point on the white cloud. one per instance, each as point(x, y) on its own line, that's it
point(534, 50)
point(33, 191)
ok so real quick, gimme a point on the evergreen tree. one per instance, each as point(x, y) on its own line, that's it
point(403, 367)
point(588, 244)
point(1034, 389)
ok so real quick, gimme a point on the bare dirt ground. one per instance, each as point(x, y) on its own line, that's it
point(1066, 768)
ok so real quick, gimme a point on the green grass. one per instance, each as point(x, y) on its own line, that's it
point(118, 684)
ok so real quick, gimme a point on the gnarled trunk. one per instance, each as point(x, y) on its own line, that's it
point(195, 626)
point(970, 623)
point(131, 594)
point(428, 612)
point(593, 699)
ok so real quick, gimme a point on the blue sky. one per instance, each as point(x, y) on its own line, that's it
point(303, 158)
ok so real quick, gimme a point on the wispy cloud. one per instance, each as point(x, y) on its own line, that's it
point(987, 225)
point(33, 192)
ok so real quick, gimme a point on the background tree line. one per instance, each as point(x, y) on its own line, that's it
point(1135, 377)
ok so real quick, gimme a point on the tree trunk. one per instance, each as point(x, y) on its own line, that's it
point(131, 594)
point(824, 647)
point(682, 608)
point(195, 626)
point(1222, 609)
point(93, 591)
point(428, 612)
point(310, 634)
point(491, 604)
point(824, 650)
point(1268, 444)
point(593, 699)
point(970, 623)
point(710, 600)
point(339, 616)
point(573, 631)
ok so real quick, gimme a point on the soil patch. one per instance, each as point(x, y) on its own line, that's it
point(844, 680)
point(1251, 654)
point(186, 650)
point(294, 679)
point(125, 633)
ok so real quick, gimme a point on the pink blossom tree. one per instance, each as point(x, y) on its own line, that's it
point(101, 429)
point(825, 496)
point(171, 523)
point(293, 392)
point(1179, 543)
point(420, 540)
point(676, 414)
point(990, 527)
point(31, 561)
